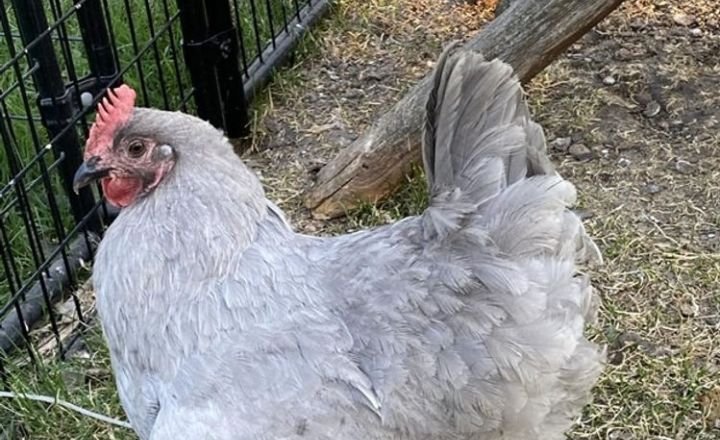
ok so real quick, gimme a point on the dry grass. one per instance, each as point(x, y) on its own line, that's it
point(357, 64)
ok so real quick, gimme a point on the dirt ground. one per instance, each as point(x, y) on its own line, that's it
point(632, 115)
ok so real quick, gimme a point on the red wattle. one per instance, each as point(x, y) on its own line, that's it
point(121, 191)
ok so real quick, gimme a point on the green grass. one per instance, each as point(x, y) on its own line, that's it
point(410, 199)
point(84, 380)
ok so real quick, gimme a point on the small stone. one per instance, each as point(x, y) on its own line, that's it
point(82, 354)
point(608, 80)
point(683, 166)
point(637, 24)
point(354, 93)
point(372, 76)
point(696, 32)
point(624, 162)
point(653, 188)
point(689, 308)
point(652, 109)
point(616, 358)
point(684, 19)
point(580, 152)
point(561, 144)
point(623, 54)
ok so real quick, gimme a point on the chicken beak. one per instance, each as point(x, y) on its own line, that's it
point(88, 172)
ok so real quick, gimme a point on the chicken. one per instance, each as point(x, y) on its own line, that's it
point(465, 322)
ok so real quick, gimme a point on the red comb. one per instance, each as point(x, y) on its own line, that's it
point(112, 113)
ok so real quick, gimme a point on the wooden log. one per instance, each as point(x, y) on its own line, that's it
point(528, 35)
point(502, 6)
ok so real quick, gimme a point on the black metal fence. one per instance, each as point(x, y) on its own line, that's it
point(57, 59)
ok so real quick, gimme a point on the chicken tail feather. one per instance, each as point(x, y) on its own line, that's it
point(478, 134)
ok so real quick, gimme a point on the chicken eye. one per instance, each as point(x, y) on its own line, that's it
point(136, 149)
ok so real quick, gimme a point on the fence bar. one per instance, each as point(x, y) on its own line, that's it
point(260, 71)
point(211, 53)
point(31, 310)
point(55, 102)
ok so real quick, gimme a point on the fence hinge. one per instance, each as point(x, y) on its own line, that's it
point(216, 48)
point(59, 111)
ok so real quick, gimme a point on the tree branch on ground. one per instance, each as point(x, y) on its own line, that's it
point(528, 35)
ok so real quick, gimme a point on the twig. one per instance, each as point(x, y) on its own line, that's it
point(66, 405)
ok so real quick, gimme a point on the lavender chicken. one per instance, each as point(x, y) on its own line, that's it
point(464, 322)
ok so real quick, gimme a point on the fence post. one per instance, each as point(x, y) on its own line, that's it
point(96, 39)
point(55, 102)
point(210, 47)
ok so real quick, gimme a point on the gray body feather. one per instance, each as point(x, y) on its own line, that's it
point(465, 322)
